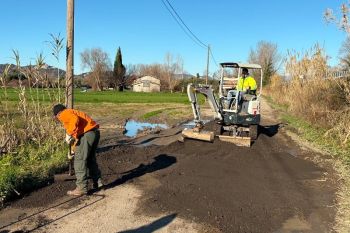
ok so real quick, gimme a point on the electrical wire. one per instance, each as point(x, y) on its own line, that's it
point(182, 27)
point(188, 32)
point(186, 25)
point(212, 56)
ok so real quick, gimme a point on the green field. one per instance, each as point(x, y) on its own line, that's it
point(101, 96)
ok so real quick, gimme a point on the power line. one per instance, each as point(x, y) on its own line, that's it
point(182, 27)
point(212, 56)
point(185, 24)
point(188, 32)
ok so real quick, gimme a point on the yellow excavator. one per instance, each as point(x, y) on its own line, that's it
point(236, 113)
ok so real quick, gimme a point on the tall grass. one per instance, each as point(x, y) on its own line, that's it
point(31, 147)
point(309, 94)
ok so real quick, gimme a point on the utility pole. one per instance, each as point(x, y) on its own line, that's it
point(182, 74)
point(206, 79)
point(70, 54)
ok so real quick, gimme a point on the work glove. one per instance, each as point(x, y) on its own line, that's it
point(70, 154)
point(69, 139)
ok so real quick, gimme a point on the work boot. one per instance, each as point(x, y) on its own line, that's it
point(77, 192)
point(98, 184)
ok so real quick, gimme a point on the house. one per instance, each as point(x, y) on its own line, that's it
point(146, 84)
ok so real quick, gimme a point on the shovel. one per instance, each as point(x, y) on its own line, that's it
point(70, 176)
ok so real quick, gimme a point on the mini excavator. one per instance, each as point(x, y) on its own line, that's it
point(236, 113)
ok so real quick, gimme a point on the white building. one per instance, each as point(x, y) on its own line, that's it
point(146, 84)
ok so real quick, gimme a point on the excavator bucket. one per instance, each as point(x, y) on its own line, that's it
point(199, 135)
point(239, 141)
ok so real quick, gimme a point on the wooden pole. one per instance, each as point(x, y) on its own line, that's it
point(70, 54)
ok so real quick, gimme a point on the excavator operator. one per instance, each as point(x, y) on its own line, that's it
point(247, 83)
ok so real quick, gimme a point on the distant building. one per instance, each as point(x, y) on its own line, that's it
point(146, 84)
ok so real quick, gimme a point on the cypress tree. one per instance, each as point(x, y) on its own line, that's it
point(119, 71)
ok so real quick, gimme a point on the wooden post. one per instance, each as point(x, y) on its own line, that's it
point(70, 54)
point(206, 79)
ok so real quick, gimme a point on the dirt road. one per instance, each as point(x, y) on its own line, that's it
point(191, 187)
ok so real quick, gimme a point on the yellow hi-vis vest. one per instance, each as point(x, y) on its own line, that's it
point(245, 83)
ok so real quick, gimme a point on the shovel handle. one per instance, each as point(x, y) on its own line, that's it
point(71, 161)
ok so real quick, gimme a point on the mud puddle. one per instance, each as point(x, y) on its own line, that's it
point(133, 128)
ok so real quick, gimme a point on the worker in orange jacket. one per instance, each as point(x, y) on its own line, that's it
point(83, 132)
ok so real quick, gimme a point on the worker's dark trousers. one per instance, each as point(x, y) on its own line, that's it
point(85, 159)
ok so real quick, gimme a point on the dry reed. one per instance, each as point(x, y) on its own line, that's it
point(311, 95)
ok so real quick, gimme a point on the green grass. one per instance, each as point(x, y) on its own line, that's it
point(105, 96)
point(152, 114)
point(31, 167)
point(156, 113)
point(130, 97)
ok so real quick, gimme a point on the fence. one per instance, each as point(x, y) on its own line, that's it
point(338, 74)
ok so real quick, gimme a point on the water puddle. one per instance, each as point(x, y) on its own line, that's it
point(132, 128)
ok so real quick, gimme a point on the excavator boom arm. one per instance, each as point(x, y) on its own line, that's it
point(207, 91)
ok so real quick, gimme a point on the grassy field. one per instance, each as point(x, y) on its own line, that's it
point(103, 96)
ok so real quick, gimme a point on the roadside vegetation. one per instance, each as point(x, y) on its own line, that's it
point(316, 105)
point(317, 108)
point(30, 144)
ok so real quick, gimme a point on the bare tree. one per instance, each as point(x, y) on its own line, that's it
point(99, 64)
point(166, 72)
point(131, 74)
point(342, 21)
point(266, 54)
point(170, 69)
point(179, 70)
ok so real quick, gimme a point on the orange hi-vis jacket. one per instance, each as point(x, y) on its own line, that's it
point(76, 122)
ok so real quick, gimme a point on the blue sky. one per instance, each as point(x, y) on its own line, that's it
point(145, 30)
